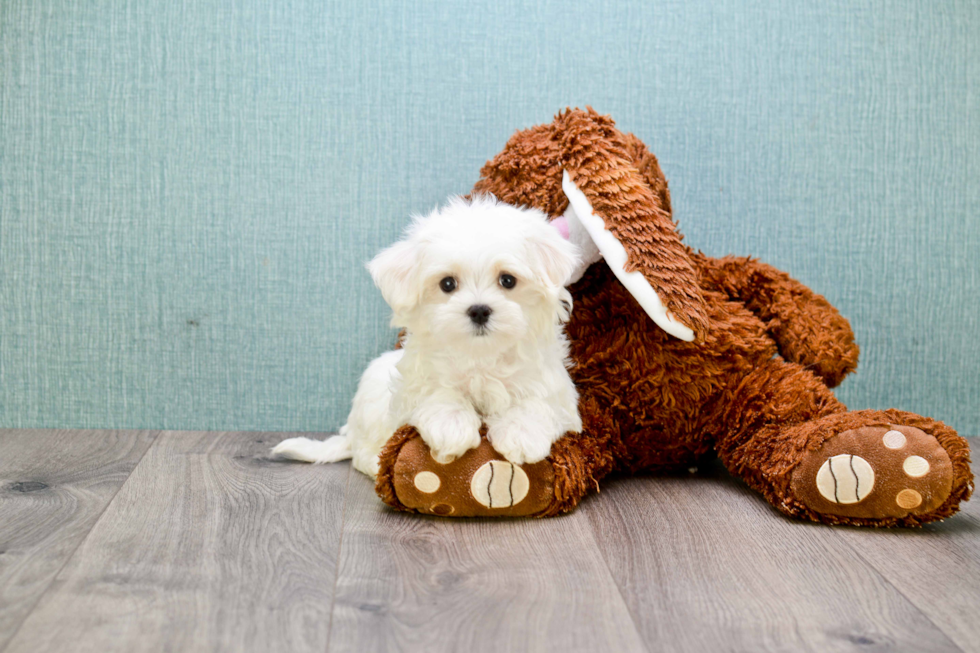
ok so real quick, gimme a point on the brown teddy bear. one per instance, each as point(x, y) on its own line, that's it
point(678, 356)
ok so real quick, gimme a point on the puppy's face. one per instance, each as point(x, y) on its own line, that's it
point(477, 275)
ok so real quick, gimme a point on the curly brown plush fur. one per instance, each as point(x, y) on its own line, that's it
point(753, 386)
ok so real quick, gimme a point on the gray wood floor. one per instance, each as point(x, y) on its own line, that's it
point(180, 541)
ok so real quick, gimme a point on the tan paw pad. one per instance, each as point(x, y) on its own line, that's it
point(916, 466)
point(894, 440)
point(427, 482)
point(908, 499)
point(499, 484)
point(845, 478)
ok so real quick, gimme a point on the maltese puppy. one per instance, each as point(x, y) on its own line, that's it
point(479, 289)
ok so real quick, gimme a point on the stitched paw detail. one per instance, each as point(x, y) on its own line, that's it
point(477, 484)
point(845, 478)
point(875, 472)
point(499, 484)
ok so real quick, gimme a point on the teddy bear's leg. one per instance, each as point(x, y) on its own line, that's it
point(806, 328)
point(480, 483)
point(786, 436)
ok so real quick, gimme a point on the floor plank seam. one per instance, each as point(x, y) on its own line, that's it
point(68, 558)
point(619, 590)
point(898, 590)
point(340, 549)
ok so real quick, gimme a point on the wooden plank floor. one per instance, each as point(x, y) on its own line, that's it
point(179, 541)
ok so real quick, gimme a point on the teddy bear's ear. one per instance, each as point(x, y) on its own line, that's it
point(636, 236)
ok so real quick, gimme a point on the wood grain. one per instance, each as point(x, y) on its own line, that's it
point(937, 568)
point(413, 583)
point(707, 565)
point(209, 546)
point(54, 485)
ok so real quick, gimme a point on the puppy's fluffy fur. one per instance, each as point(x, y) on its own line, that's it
point(476, 350)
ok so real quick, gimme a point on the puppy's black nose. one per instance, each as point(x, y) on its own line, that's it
point(479, 313)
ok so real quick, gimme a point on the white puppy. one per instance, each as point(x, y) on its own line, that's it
point(479, 288)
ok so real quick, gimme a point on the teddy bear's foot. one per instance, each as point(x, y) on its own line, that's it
point(876, 472)
point(480, 483)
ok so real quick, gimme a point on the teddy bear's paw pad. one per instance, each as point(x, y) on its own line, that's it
point(875, 472)
point(477, 484)
point(845, 478)
point(500, 484)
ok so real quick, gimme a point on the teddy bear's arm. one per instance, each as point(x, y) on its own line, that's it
point(806, 328)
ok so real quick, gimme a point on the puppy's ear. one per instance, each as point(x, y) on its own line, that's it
point(394, 273)
point(553, 259)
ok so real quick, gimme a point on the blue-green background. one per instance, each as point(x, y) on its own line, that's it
point(189, 188)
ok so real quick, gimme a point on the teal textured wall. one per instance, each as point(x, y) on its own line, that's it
point(189, 189)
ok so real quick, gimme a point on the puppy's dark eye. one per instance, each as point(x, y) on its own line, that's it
point(507, 281)
point(447, 285)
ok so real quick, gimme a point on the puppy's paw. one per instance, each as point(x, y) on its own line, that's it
point(521, 437)
point(450, 432)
